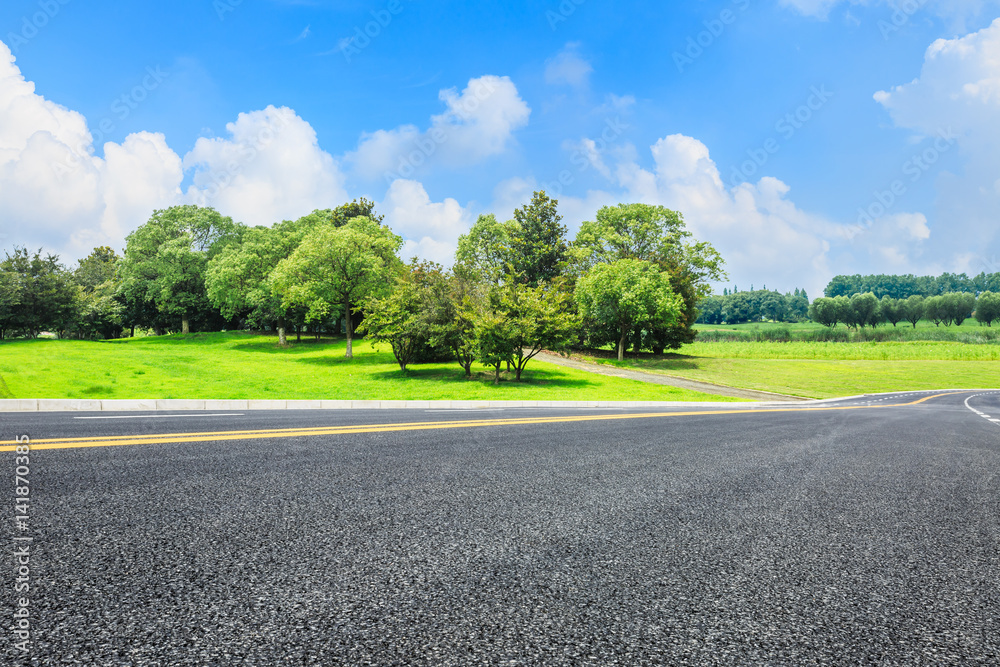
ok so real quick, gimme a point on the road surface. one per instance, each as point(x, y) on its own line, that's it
point(859, 532)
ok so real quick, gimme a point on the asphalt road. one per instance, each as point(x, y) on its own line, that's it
point(866, 534)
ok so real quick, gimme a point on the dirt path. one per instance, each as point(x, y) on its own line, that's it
point(670, 380)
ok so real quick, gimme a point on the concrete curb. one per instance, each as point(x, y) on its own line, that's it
point(183, 405)
point(186, 405)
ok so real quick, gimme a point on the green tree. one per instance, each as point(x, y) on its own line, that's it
point(485, 251)
point(541, 319)
point(538, 241)
point(238, 279)
point(866, 312)
point(913, 309)
point(166, 259)
point(97, 268)
point(39, 294)
point(335, 268)
point(654, 234)
point(846, 312)
point(825, 311)
point(988, 308)
point(959, 306)
point(625, 294)
point(892, 310)
point(450, 315)
point(935, 310)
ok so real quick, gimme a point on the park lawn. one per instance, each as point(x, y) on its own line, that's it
point(245, 366)
point(827, 370)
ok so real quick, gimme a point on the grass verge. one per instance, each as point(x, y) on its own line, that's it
point(244, 366)
point(827, 370)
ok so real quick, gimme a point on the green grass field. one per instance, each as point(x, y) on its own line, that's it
point(244, 366)
point(826, 370)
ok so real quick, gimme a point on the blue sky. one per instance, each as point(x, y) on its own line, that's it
point(761, 121)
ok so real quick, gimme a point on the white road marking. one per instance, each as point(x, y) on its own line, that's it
point(234, 414)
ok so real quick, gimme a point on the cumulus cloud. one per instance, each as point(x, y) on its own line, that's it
point(56, 192)
point(430, 229)
point(957, 97)
point(477, 123)
point(269, 168)
point(568, 68)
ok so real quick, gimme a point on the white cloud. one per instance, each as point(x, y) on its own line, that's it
point(270, 168)
point(57, 193)
point(54, 192)
point(477, 123)
point(957, 95)
point(897, 14)
point(430, 229)
point(568, 67)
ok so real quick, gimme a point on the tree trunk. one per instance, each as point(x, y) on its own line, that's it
point(350, 329)
point(496, 378)
point(185, 324)
point(621, 345)
point(282, 338)
point(468, 369)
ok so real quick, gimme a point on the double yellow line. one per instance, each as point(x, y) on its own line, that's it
point(221, 436)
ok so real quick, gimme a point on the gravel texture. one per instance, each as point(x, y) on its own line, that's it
point(867, 536)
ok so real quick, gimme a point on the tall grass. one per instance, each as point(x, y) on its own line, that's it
point(981, 336)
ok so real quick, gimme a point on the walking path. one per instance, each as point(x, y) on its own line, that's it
point(669, 380)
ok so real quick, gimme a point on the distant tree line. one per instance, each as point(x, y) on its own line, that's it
point(631, 278)
point(754, 306)
point(905, 286)
point(867, 310)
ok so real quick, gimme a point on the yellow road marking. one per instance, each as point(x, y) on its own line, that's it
point(219, 436)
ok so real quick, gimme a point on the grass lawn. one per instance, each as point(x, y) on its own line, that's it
point(244, 366)
point(826, 370)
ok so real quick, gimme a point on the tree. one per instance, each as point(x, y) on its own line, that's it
point(958, 306)
point(537, 241)
point(846, 312)
point(335, 268)
point(450, 316)
point(38, 294)
point(625, 294)
point(540, 318)
point(988, 308)
point(913, 309)
point(825, 311)
point(97, 268)
point(485, 251)
point(238, 279)
point(892, 310)
point(866, 311)
point(397, 319)
point(653, 234)
point(166, 258)
point(934, 310)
